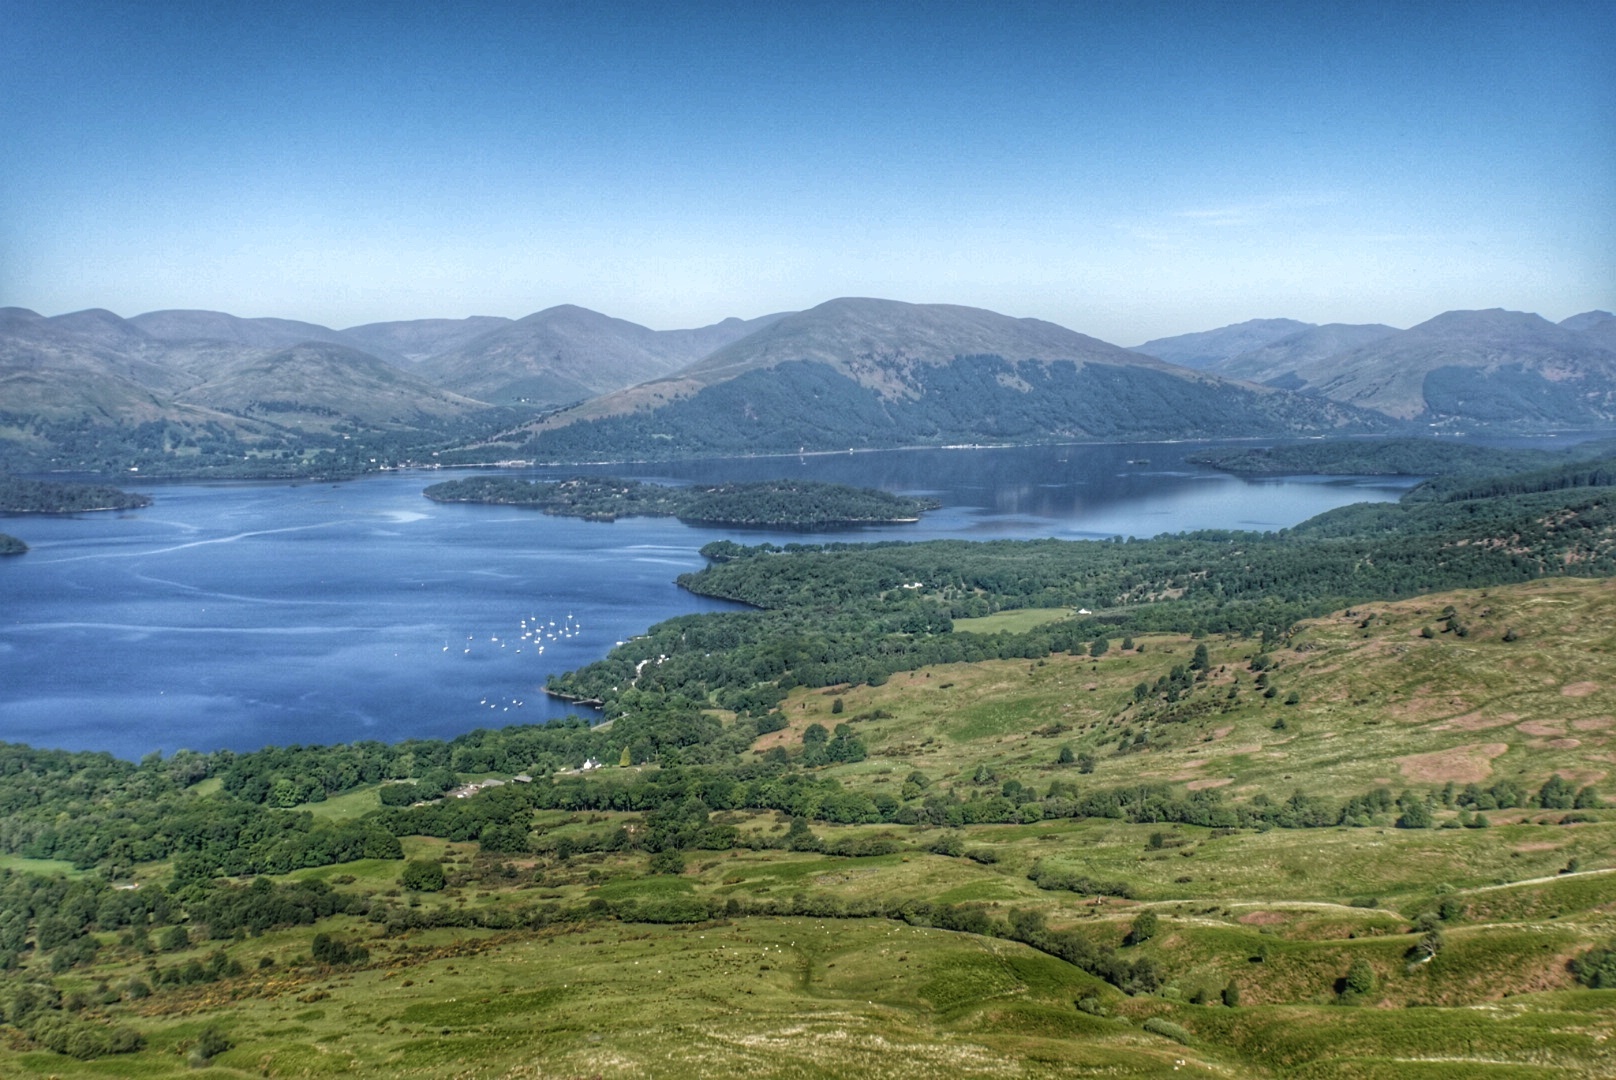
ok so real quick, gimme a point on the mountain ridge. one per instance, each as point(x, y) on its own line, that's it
point(1488, 365)
point(861, 372)
point(1205, 348)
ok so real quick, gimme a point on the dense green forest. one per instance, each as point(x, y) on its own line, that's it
point(18, 496)
point(1386, 457)
point(791, 504)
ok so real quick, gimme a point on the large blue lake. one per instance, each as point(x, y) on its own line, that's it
point(245, 614)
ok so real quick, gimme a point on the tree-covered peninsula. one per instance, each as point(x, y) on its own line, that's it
point(18, 496)
point(1389, 457)
point(10, 545)
point(780, 504)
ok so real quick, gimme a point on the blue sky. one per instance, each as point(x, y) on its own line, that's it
point(1128, 170)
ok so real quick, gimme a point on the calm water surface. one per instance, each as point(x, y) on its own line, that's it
point(240, 615)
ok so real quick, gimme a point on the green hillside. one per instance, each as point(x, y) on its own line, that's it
point(785, 944)
point(811, 405)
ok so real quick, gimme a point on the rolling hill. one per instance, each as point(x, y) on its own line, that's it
point(420, 339)
point(867, 373)
point(321, 385)
point(185, 325)
point(1598, 325)
point(565, 354)
point(1275, 362)
point(1208, 348)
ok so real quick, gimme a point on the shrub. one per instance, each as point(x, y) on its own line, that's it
point(1596, 968)
point(84, 1039)
point(1360, 981)
point(1168, 1030)
point(211, 1044)
point(423, 875)
point(667, 862)
point(1051, 877)
point(326, 949)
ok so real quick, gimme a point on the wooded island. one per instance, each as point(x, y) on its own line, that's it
point(781, 504)
point(19, 496)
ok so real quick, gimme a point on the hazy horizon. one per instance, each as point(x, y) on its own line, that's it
point(1131, 174)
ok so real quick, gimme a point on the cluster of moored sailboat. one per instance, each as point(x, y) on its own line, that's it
point(532, 635)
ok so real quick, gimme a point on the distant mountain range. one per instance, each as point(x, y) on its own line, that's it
point(184, 389)
point(865, 373)
point(206, 390)
point(1458, 370)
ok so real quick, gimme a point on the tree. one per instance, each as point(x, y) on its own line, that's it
point(1231, 994)
point(1100, 647)
point(1066, 757)
point(423, 875)
point(1143, 928)
point(1416, 814)
point(175, 938)
point(1202, 659)
point(1557, 794)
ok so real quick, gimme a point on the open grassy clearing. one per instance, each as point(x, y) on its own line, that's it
point(760, 998)
point(1015, 621)
point(801, 997)
point(37, 866)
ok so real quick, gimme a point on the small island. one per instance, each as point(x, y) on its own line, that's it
point(10, 545)
point(778, 504)
point(48, 497)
